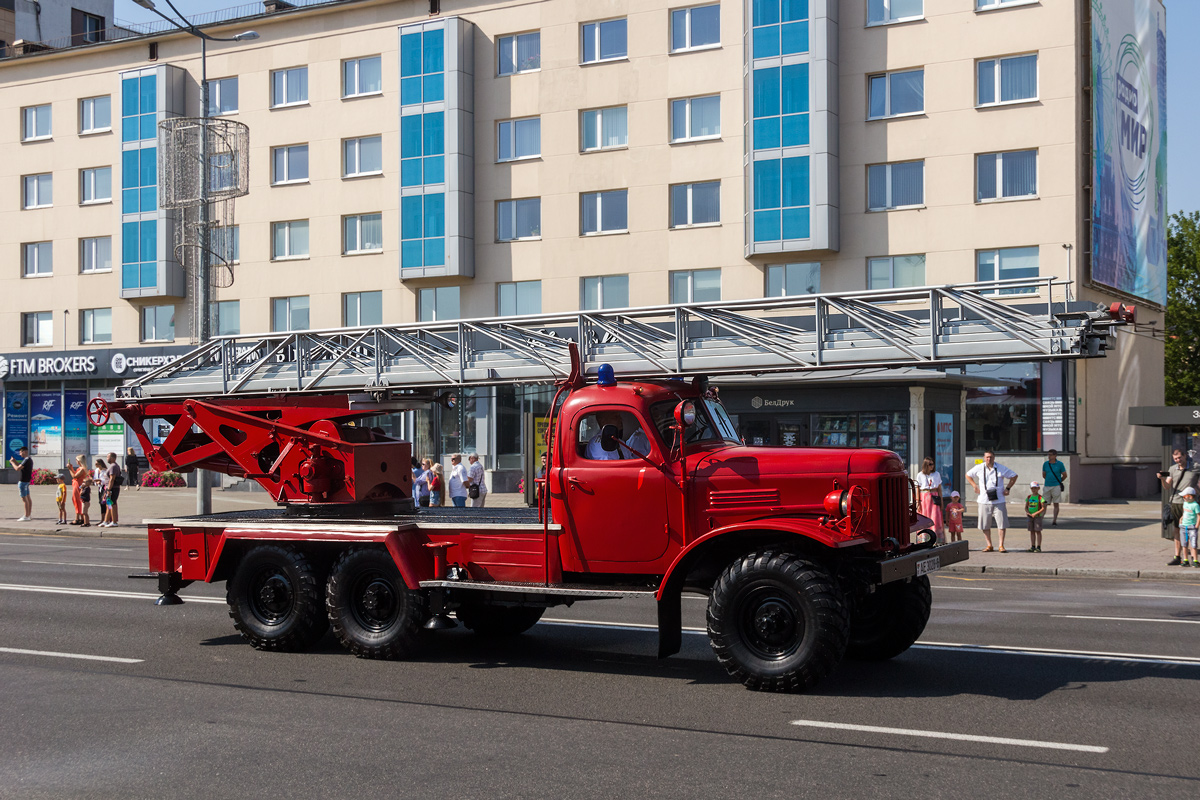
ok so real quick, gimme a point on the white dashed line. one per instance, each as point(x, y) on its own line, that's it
point(1126, 619)
point(12, 587)
point(959, 737)
point(20, 652)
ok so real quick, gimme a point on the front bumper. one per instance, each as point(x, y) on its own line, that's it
point(922, 562)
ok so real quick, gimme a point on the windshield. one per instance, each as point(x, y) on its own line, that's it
point(712, 423)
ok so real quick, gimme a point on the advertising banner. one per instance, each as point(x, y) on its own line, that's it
point(16, 414)
point(108, 438)
point(943, 450)
point(45, 425)
point(75, 422)
point(1129, 157)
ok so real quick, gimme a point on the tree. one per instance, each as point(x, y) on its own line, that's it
point(1182, 373)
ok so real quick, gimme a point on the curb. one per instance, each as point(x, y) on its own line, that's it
point(1077, 572)
point(125, 532)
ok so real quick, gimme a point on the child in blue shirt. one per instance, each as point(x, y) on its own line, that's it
point(1187, 527)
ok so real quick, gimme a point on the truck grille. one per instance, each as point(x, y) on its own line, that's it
point(893, 508)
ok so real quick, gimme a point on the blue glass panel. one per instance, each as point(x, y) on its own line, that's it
point(435, 134)
point(410, 136)
point(795, 223)
point(146, 127)
point(129, 97)
point(129, 169)
point(766, 12)
point(766, 133)
point(149, 198)
point(435, 252)
point(410, 91)
point(435, 215)
point(129, 276)
point(149, 95)
point(433, 60)
point(435, 169)
point(766, 226)
point(435, 87)
point(129, 129)
point(149, 275)
point(795, 130)
point(794, 38)
point(410, 253)
point(410, 54)
point(148, 174)
point(795, 181)
point(410, 217)
point(410, 172)
point(766, 92)
point(794, 10)
point(794, 88)
point(766, 184)
point(129, 242)
point(766, 41)
point(129, 201)
point(148, 241)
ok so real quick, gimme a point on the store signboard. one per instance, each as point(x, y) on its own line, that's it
point(110, 438)
point(45, 424)
point(104, 364)
point(943, 450)
point(16, 423)
point(75, 422)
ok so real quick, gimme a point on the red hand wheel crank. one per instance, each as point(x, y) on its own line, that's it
point(98, 412)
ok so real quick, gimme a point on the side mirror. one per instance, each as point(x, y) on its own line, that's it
point(608, 438)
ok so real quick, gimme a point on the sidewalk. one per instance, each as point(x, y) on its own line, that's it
point(1116, 539)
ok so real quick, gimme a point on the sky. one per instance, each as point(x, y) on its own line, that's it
point(1183, 88)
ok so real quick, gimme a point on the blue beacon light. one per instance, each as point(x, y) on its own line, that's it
point(605, 376)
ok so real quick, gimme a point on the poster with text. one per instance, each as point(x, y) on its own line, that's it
point(45, 425)
point(16, 415)
point(1129, 156)
point(75, 422)
point(110, 438)
point(943, 450)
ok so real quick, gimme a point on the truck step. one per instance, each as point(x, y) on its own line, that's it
point(588, 591)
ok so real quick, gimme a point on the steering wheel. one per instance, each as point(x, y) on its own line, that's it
point(97, 412)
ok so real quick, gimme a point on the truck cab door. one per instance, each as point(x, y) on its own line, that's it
point(616, 503)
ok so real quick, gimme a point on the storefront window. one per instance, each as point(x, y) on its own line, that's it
point(1023, 408)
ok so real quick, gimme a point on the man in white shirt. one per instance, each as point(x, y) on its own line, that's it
point(595, 451)
point(991, 482)
point(458, 479)
point(475, 477)
point(639, 442)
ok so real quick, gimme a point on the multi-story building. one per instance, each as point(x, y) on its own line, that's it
point(418, 161)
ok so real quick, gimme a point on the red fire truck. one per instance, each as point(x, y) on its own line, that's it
point(806, 555)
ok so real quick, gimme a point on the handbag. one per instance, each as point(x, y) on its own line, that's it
point(1168, 517)
point(993, 493)
point(473, 491)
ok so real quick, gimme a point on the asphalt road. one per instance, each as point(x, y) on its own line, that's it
point(1020, 687)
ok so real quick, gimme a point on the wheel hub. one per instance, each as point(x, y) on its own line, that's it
point(773, 625)
point(376, 604)
point(274, 597)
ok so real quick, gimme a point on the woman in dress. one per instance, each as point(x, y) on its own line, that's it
point(929, 481)
point(78, 471)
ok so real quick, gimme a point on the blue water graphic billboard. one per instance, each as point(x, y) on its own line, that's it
point(45, 424)
point(16, 414)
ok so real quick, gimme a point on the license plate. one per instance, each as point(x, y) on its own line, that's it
point(928, 565)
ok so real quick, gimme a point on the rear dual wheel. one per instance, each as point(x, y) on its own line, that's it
point(275, 599)
point(372, 612)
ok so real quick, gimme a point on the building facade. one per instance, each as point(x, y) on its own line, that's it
point(426, 161)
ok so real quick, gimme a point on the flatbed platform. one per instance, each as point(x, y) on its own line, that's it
point(524, 518)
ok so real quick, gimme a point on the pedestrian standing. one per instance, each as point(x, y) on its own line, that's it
point(112, 487)
point(437, 487)
point(1054, 476)
point(85, 499)
point(24, 469)
point(458, 479)
point(929, 481)
point(954, 517)
point(1177, 478)
point(1035, 513)
point(420, 483)
point(132, 470)
point(100, 482)
point(78, 473)
point(991, 482)
point(1187, 526)
point(60, 499)
point(477, 484)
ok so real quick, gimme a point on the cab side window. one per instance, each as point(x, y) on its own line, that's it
point(629, 431)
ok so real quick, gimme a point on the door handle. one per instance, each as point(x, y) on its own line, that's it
point(575, 483)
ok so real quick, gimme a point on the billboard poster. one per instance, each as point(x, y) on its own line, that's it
point(1129, 156)
point(108, 438)
point(45, 425)
point(16, 414)
point(943, 450)
point(75, 422)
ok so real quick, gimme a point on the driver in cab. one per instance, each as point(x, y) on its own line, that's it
point(637, 441)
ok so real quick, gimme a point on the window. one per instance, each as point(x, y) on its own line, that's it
point(605, 291)
point(37, 329)
point(37, 123)
point(1005, 175)
point(362, 233)
point(95, 326)
point(290, 164)
point(37, 259)
point(362, 156)
point(227, 243)
point(695, 204)
point(780, 103)
point(695, 28)
point(362, 308)
point(605, 212)
point(782, 199)
point(519, 53)
point(895, 272)
point(139, 254)
point(1009, 263)
point(95, 185)
point(696, 286)
point(139, 107)
point(95, 114)
point(289, 87)
point(423, 230)
point(437, 305)
point(39, 191)
point(289, 314)
point(289, 239)
point(787, 280)
point(895, 185)
point(422, 67)
point(696, 118)
point(1007, 80)
point(518, 298)
point(882, 11)
point(158, 324)
point(896, 93)
point(519, 219)
point(227, 318)
point(604, 41)
point(604, 128)
point(985, 5)
point(361, 76)
point(93, 28)
point(422, 145)
point(519, 138)
point(223, 96)
point(95, 255)
point(139, 180)
point(779, 27)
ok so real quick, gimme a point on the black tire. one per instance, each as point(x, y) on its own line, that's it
point(777, 622)
point(275, 599)
point(886, 623)
point(498, 622)
point(372, 612)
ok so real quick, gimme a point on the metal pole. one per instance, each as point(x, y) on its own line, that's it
point(203, 476)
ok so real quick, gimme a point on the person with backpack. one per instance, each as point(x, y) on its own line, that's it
point(113, 480)
point(1054, 476)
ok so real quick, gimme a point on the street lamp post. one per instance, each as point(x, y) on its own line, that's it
point(204, 316)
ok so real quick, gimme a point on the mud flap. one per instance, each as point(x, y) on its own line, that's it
point(670, 624)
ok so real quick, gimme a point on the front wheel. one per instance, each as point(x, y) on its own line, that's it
point(777, 622)
point(886, 623)
point(373, 613)
point(275, 599)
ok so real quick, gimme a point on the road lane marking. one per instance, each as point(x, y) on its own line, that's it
point(12, 587)
point(70, 547)
point(1168, 596)
point(1049, 652)
point(72, 564)
point(959, 737)
point(963, 588)
point(1126, 619)
point(52, 654)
